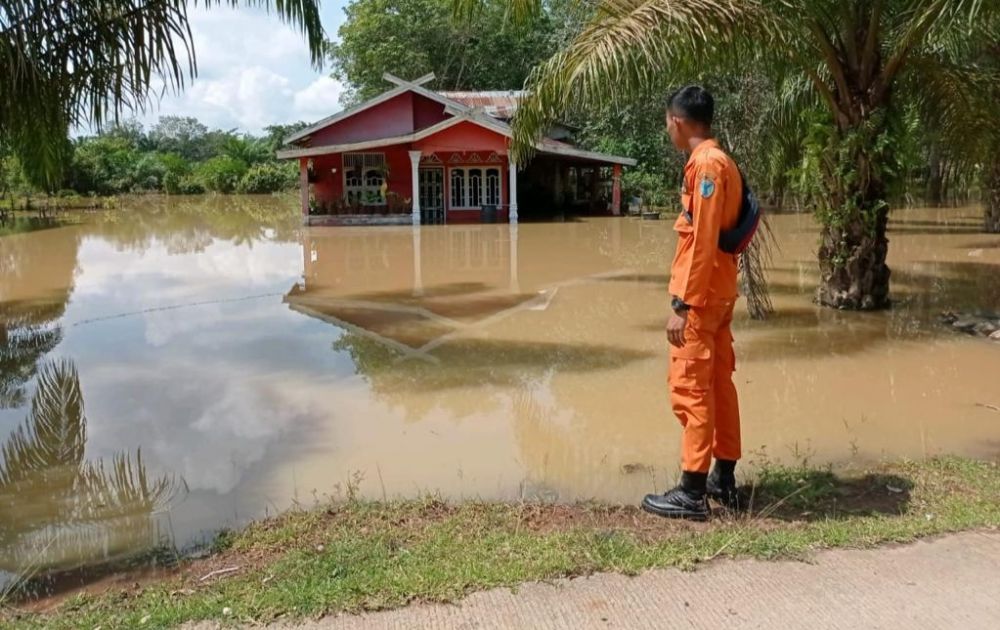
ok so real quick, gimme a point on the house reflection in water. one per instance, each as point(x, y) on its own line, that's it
point(521, 333)
point(415, 289)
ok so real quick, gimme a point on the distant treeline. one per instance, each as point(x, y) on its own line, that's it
point(176, 156)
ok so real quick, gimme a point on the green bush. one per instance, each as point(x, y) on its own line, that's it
point(653, 188)
point(190, 185)
point(221, 174)
point(269, 178)
point(149, 172)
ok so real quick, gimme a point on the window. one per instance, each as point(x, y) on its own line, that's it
point(457, 187)
point(353, 185)
point(493, 187)
point(475, 187)
point(364, 176)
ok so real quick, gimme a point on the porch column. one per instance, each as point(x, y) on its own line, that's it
point(616, 189)
point(415, 170)
point(304, 188)
point(512, 189)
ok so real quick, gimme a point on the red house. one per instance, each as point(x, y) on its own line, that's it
point(412, 154)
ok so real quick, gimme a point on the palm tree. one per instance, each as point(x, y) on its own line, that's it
point(858, 59)
point(68, 64)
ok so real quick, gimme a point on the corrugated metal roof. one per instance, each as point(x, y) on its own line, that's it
point(497, 103)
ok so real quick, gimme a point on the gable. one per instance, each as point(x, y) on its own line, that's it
point(462, 136)
point(397, 116)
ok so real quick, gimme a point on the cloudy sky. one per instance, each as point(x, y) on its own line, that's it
point(253, 71)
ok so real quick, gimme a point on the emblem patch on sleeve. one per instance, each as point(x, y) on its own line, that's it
point(706, 187)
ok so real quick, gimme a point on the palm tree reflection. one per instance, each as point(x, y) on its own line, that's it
point(60, 512)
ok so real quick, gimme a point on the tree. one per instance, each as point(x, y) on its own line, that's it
point(275, 134)
point(859, 60)
point(972, 141)
point(181, 135)
point(410, 38)
point(104, 165)
point(69, 64)
point(246, 149)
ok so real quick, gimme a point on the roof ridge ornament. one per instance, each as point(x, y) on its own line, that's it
point(391, 78)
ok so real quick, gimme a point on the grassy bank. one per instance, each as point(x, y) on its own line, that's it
point(363, 555)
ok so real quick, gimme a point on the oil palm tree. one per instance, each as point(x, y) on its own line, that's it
point(855, 58)
point(968, 123)
point(67, 64)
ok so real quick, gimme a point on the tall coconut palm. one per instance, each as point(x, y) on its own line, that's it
point(855, 57)
point(67, 64)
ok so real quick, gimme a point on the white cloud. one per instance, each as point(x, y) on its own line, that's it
point(318, 99)
point(253, 71)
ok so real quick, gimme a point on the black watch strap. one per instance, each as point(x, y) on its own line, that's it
point(678, 304)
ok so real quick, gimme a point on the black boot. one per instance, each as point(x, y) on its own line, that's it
point(721, 484)
point(687, 500)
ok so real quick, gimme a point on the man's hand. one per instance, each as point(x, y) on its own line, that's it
point(675, 328)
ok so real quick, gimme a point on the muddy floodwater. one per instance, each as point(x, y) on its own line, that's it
point(173, 368)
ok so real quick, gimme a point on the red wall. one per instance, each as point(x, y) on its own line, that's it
point(464, 136)
point(398, 116)
point(329, 186)
point(391, 118)
point(427, 112)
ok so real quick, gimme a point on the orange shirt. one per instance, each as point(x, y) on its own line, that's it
point(702, 274)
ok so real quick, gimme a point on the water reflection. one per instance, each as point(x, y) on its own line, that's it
point(36, 279)
point(266, 363)
point(59, 511)
point(190, 225)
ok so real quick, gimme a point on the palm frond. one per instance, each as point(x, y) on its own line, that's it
point(753, 265)
point(69, 64)
point(628, 46)
point(58, 511)
point(958, 101)
point(54, 435)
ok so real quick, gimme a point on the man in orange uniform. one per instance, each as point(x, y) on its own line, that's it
point(703, 286)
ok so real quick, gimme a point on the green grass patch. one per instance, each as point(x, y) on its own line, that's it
point(372, 555)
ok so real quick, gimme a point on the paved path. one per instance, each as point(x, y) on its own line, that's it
point(949, 582)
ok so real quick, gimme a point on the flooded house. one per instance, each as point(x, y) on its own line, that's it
point(412, 154)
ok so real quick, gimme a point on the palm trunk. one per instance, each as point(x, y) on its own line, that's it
point(992, 191)
point(854, 217)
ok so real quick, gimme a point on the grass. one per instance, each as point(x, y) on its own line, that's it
point(362, 555)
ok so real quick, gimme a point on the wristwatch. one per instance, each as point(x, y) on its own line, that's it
point(678, 305)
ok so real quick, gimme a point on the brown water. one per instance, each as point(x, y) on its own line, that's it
point(169, 370)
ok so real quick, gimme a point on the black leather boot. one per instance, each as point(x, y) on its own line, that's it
point(721, 484)
point(687, 500)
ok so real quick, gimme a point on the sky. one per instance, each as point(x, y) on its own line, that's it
point(253, 71)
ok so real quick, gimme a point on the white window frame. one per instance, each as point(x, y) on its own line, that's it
point(366, 161)
point(467, 203)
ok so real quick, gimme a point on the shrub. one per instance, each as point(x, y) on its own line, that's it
point(221, 174)
point(269, 178)
point(189, 185)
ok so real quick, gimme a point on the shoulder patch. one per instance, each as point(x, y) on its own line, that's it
point(707, 186)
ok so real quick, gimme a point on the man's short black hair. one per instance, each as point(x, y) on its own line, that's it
point(693, 102)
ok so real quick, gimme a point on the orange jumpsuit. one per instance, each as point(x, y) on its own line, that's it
point(702, 392)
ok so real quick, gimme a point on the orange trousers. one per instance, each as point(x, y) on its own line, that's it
point(702, 392)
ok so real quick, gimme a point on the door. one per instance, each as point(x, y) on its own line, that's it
point(432, 195)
